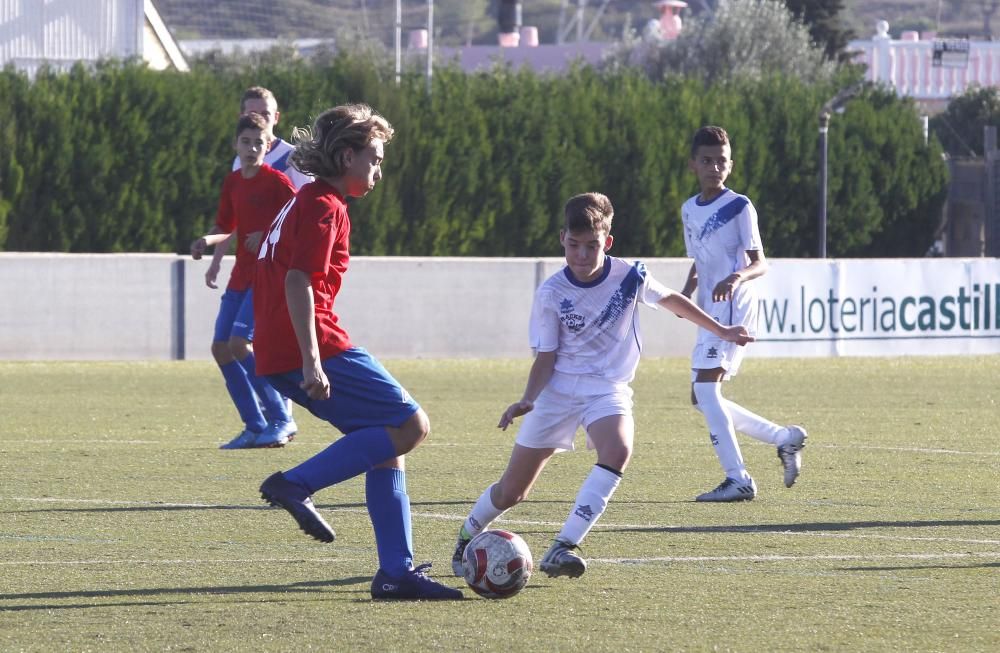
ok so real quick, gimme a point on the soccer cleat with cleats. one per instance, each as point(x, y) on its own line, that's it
point(560, 560)
point(413, 585)
point(245, 440)
point(731, 490)
point(280, 418)
point(279, 491)
point(276, 434)
point(458, 558)
point(790, 454)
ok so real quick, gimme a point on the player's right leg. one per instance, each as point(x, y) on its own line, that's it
point(280, 428)
point(237, 382)
point(367, 401)
point(706, 394)
point(523, 469)
point(381, 422)
point(611, 430)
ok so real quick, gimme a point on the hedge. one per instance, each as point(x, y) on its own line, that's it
point(119, 158)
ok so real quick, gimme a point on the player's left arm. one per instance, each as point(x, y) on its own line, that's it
point(684, 307)
point(751, 242)
point(302, 311)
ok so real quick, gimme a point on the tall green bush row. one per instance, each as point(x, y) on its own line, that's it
point(124, 159)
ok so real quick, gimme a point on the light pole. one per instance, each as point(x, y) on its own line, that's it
point(824, 128)
point(833, 105)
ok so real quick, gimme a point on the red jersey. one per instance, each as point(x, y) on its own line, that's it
point(246, 206)
point(311, 234)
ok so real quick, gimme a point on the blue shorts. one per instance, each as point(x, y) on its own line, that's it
point(235, 316)
point(362, 393)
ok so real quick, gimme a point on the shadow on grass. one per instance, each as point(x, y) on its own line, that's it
point(808, 526)
point(168, 508)
point(304, 586)
point(181, 507)
point(984, 565)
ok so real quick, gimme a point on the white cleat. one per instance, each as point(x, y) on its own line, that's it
point(560, 560)
point(458, 557)
point(790, 454)
point(731, 490)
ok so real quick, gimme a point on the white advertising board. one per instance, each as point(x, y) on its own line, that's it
point(879, 307)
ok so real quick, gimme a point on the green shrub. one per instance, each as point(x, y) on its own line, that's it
point(124, 159)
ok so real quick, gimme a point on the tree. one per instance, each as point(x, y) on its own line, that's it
point(960, 127)
point(825, 25)
point(743, 38)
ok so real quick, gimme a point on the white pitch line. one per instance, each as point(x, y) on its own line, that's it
point(113, 502)
point(74, 441)
point(609, 561)
point(788, 558)
point(43, 563)
point(812, 445)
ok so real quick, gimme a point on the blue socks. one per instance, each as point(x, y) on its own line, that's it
point(270, 398)
point(389, 510)
point(243, 396)
point(351, 455)
point(385, 490)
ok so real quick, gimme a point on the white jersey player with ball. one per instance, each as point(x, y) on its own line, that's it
point(722, 236)
point(585, 334)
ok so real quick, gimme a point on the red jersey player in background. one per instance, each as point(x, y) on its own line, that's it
point(309, 358)
point(260, 100)
point(250, 198)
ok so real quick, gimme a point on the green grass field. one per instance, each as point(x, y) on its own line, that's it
point(124, 528)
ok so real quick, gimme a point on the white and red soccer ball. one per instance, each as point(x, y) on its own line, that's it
point(497, 564)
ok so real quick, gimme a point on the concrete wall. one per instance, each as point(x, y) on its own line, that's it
point(89, 306)
point(152, 306)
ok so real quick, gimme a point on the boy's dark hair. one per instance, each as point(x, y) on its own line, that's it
point(708, 135)
point(589, 212)
point(319, 151)
point(256, 93)
point(250, 121)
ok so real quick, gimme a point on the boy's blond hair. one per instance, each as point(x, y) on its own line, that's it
point(589, 212)
point(256, 93)
point(319, 151)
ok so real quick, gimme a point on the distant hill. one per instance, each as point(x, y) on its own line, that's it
point(472, 21)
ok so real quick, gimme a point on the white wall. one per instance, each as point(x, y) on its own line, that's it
point(156, 306)
point(88, 306)
point(402, 307)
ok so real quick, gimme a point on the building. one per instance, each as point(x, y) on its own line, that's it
point(60, 34)
point(927, 68)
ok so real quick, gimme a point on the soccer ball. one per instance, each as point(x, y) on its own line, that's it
point(497, 564)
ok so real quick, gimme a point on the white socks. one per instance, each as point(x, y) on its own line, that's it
point(591, 501)
point(757, 427)
point(721, 430)
point(482, 515)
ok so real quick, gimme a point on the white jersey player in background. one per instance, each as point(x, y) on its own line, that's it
point(258, 99)
point(585, 333)
point(721, 235)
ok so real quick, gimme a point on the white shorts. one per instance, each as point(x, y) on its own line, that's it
point(567, 403)
point(711, 351)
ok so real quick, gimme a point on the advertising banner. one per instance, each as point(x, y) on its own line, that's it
point(879, 307)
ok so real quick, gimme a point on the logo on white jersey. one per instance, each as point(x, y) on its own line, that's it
point(573, 321)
